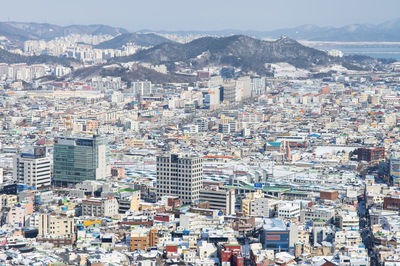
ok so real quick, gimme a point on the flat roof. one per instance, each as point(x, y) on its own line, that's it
point(274, 224)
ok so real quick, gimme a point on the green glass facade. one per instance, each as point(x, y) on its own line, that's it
point(76, 159)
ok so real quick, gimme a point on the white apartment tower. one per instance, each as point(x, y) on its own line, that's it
point(32, 167)
point(143, 88)
point(180, 176)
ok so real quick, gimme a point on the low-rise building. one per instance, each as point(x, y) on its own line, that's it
point(99, 207)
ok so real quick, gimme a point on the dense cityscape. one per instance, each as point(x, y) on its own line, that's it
point(166, 148)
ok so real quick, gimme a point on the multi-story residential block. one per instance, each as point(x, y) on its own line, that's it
point(143, 239)
point(51, 225)
point(317, 213)
point(142, 88)
point(263, 207)
point(98, 207)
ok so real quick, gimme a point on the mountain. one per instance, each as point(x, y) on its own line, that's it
point(248, 54)
point(11, 58)
point(145, 39)
point(136, 72)
point(239, 51)
point(18, 32)
point(385, 32)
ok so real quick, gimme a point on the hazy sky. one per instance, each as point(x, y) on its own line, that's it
point(201, 14)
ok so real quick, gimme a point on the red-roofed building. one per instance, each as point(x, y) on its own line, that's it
point(231, 253)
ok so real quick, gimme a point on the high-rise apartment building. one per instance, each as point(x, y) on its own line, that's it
point(395, 169)
point(180, 176)
point(80, 158)
point(32, 167)
point(143, 88)
point(371, 154)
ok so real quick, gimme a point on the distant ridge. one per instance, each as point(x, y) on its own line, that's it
point(18, 32)
point(141, 39)
point(385, 32)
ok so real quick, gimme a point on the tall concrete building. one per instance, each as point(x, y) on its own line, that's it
point(395, 169)
point(180, 176)
point(32, 167)
point(80, 158)
point(219, 199)
point(143, 88)
point(257, 86)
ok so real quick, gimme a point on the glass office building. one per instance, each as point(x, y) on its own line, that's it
point(76, 159)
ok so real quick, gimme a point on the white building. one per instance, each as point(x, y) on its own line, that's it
point(32, 167)
point(287, 209)
point(348, 220)
point(143, 88)
point(263, 207)
point(195, 221)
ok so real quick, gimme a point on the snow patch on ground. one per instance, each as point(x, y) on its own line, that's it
point(287, 70)
point(337, 68)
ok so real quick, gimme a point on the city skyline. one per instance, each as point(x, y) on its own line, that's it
point(200, 133)
point(181, 15)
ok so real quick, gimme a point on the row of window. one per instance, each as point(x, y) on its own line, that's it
point(194, 170)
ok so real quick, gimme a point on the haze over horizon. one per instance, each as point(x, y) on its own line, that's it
point(210, 15)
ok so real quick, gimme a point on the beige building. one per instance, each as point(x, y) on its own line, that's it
point(219, 199)
point(100, 207)
point(7, 201)
point(129, 200)
point(246, 202)
point(51, 225)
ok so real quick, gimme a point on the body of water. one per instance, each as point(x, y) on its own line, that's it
point(376, 50)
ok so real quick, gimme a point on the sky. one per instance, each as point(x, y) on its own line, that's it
point(201, 14)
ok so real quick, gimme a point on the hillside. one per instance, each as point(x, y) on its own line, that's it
point(137, 72)
point(239, 51)
point(11, 58)
point(147, 39)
